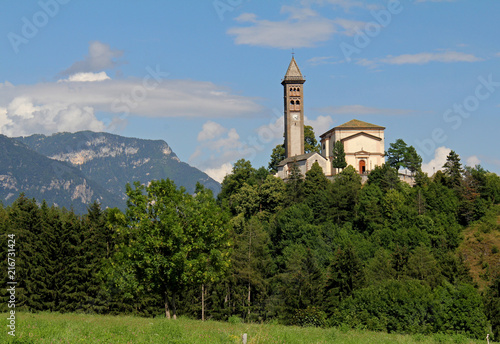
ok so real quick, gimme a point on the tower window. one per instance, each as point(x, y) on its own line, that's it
point(297, 102)
point(292, 102)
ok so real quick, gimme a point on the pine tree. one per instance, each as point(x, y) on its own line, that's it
point(345, 276)
point(412, 160)
point(396, 154)
point(26, 223)
point(339, 156)
point(453, 170)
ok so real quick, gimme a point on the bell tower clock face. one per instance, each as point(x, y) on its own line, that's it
point(295, 116)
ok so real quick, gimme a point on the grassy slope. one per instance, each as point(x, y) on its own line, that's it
point(481, 250)
point(79, 328)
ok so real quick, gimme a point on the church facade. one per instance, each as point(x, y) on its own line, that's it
point(363, 142)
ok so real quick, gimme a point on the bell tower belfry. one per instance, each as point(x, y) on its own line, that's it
point(293, 83)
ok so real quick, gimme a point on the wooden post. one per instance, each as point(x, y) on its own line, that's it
point(244, 338)
point(202, 302)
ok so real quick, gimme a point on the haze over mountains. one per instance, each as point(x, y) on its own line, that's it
point(74, 169)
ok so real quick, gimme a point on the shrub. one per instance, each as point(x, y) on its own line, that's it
point(234, 319)
point(311, 316)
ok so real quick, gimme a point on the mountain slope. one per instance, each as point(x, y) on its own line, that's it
point(113, 161)
point(24, 170)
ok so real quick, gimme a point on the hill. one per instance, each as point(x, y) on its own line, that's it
point(112, 161)
point(39, 177)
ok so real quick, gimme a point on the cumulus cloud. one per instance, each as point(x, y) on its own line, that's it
point(210, 131)
point(99, 58)
point(473, 161)
point(362, 110)
point(273, 131)
point(321, 124)
point(22, 117)
point(86, 77)
point(219, 173)
point(437, 162)
point(218, 148)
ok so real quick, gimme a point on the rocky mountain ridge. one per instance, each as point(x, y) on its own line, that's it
point(104, 163)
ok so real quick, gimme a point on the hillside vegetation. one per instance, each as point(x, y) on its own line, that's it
point(384, 256)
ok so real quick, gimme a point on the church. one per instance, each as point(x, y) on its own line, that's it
point(363, 142)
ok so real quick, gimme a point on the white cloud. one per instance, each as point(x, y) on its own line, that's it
point(437, 162)
point(321, 60)
point(219, 147)
point(351, 27)
point(303, 27)
point(220, 172)
point(22, 117)
point(362, 110)
point(422, 58)
point(473, 161)
point(86, 77)
point(210, 131)
point(100, 57)
point(272, 132)
point(300, 29)
point(166, 98)
point(321, 124)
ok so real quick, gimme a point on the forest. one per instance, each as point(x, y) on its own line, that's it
point(311, 251)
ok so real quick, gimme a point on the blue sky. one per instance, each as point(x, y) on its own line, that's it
point(205, 75)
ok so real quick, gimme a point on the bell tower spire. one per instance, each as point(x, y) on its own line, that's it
point(293, 83)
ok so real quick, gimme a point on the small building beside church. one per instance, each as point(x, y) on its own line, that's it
point(363, 142)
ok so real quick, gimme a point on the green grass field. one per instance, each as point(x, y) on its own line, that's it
point(80, 328)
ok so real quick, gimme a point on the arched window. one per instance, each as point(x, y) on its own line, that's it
point(297, 102)
point(292, 102)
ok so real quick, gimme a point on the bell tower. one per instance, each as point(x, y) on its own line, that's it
point(293, 83)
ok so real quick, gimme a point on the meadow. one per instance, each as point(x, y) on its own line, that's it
point(82, 328)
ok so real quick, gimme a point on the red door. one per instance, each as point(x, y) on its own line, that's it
point(362, 166)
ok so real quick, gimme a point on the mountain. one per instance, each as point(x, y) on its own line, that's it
point(112, 161)
point(24, 170)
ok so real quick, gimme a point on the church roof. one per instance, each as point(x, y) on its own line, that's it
point(354, 124)
point(297, 158)
point(357, 124)
point(293, 72)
